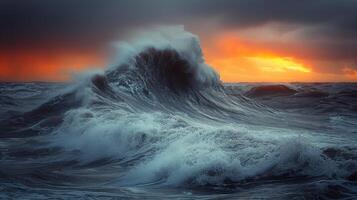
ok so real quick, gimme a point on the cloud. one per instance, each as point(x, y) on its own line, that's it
point(318, 30)
point(74, 18)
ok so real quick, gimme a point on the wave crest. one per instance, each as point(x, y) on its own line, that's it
point(173, 59)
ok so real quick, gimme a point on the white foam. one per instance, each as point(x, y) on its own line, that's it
point(207, 155)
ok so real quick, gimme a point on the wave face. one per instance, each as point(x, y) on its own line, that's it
point(159, 123)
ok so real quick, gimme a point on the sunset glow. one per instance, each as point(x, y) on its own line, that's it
point(236, 61)
point(239, 60)
point(45, 66)
point(279, 64)
point(236, 58)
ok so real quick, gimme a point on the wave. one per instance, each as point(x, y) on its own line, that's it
point(270, 90)
point(161, 116)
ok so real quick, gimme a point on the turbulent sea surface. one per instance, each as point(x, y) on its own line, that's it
point(160, 124)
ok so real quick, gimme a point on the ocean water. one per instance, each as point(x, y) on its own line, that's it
point(159, 124)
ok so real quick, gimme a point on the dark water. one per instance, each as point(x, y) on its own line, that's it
point(162, 126)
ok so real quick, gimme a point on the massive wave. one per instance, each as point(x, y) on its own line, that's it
point(161, 117)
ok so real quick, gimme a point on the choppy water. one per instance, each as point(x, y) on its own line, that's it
point(160, 124)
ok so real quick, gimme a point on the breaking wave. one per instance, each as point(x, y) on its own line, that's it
point(160, 116)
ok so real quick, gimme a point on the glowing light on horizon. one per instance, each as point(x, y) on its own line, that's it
point(37, 66)
point(237, 61)
point(279, 64)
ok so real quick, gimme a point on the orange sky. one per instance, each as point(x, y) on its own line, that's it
point(42, 65)
point(237, 61)
point(233, 58)
point(255, 41)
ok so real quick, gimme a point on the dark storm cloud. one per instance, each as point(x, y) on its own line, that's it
point(302, 11)
point(86, 24)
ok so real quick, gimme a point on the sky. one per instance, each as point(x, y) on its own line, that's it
point(244, 40)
